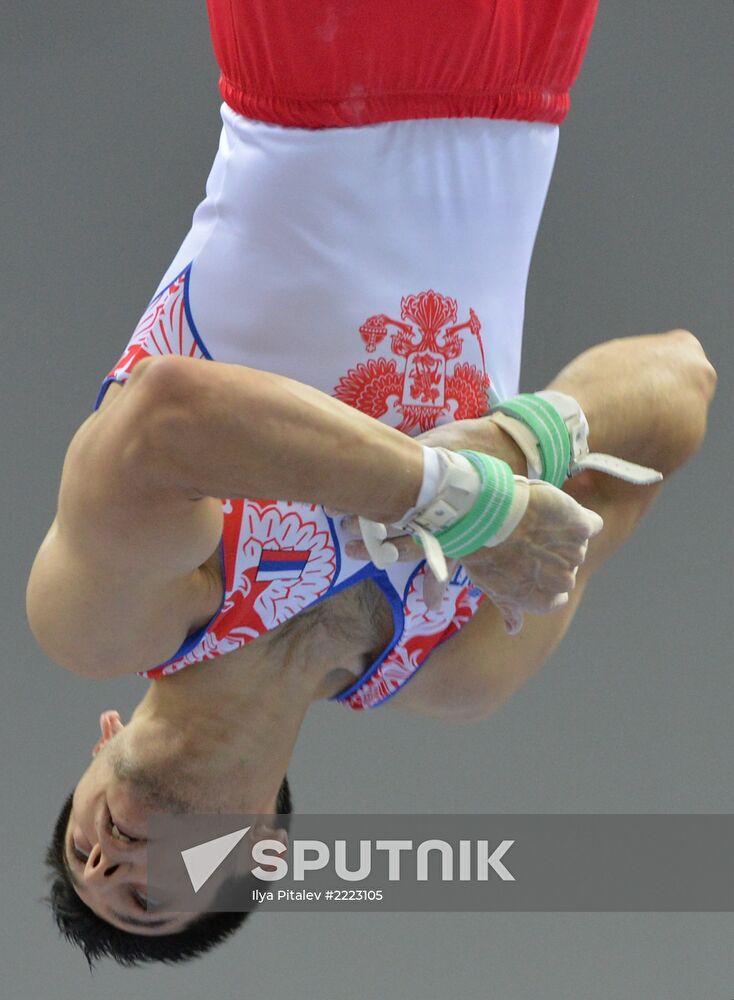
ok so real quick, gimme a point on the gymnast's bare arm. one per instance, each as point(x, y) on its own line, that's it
point(647, 400)
point(120, 578)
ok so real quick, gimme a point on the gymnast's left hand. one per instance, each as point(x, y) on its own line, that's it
point(532, 571)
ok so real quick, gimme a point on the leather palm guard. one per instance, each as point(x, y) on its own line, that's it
point(551, 430)
point(478, 502)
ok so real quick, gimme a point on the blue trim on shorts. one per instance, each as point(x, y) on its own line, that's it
point(425, 660)
point(166, 287)
point(189, 319)
point(189, 315)
point(103, 389)
point(193, 640)
point(398, 616)
point(361, 574)
point(337, 546)
point(366, 571)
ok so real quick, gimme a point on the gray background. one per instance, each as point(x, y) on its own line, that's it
point(109, 125)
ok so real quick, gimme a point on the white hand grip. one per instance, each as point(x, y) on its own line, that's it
point(374, 533)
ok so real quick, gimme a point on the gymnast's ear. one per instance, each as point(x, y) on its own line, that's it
point(110, 724)
point(268, 829)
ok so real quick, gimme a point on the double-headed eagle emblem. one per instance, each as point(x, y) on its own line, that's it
point(421, 389)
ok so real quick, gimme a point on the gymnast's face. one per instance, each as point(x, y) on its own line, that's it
point(105, 844)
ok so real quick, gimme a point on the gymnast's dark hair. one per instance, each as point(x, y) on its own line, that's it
point(80, 925)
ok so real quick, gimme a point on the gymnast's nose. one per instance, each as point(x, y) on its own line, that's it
point(101, 865)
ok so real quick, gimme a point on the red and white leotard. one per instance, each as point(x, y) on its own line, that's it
point(370, 235)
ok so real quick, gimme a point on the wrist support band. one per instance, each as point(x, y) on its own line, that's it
point(486, 523)
point(499, 504)
point(475, 501)
point(551, 430)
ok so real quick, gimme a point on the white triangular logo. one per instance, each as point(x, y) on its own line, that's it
point(203, 860)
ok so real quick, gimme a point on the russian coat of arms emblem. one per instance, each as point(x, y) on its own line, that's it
point(425, 385)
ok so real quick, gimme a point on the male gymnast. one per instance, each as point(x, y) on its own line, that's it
point(341, 330)
point(131, 566)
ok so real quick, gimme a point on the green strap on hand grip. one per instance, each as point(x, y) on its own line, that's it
point(489, 511)
point(549, 428)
